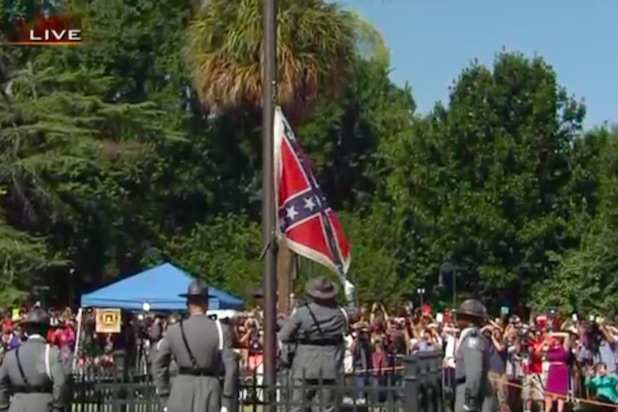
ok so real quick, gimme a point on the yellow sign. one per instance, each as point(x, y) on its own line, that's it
point(108, 320)
point(16, 315)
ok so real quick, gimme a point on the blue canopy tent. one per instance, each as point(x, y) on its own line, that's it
point(159, 287)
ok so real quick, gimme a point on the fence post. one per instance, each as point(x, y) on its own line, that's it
point(426, 401)
point(436, 372)
point(410, 383)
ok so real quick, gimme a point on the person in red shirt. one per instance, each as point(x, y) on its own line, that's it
point(532, 391)
point(51, 336)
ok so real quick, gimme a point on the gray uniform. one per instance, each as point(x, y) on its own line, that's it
point(473, 391)
point(40, 384)
point(318, 335)
point(197, 388)
point(173, 368)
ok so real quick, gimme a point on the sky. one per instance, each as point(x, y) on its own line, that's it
point(431, 41)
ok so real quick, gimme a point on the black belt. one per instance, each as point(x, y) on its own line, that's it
point(197, 372)
point(321, 342)
point(31, 389)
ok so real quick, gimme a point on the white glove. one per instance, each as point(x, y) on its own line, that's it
point(223, 409)
point(350, 291)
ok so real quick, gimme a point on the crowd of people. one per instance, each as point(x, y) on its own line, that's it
point(546, 359)
point(61, 334)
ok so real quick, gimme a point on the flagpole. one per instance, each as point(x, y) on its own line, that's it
point(269, 90)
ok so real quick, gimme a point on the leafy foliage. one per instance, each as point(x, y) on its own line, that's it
point(584, 279)
point(316, 43)
point(109, 162)
point(225, 251)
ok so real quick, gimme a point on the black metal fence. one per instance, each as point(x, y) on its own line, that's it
point(413, 383)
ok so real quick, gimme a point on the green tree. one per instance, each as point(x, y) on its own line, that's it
point(483, 181)
point(584, 279)
point(225, 252)
point(62, 145)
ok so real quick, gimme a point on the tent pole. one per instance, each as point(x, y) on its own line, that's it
point(78, 339)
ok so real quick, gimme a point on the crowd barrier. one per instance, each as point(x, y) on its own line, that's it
point(413, 383)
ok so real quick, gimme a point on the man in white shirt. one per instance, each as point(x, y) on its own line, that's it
point(450, 339)
point(348, 357)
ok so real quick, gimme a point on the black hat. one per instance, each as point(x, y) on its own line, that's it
point(36, 316)
point(321, 288)
point(197, 288)
point(474, 308)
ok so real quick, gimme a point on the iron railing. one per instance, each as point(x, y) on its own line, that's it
point(412, 383)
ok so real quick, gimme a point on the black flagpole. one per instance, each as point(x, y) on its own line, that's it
point(269, 89)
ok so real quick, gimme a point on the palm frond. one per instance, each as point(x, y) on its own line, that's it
point(316, 44)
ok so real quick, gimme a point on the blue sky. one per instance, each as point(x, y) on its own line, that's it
point(432, 40)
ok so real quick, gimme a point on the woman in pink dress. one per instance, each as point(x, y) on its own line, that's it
point(556, 349)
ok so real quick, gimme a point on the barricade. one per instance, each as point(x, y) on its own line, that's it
point(413, 383)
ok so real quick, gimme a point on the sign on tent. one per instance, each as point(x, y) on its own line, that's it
point(107, 320)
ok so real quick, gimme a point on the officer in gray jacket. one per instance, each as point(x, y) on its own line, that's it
point(33, 372)
point(317, 331)
point(473, 392)
point(202, 349)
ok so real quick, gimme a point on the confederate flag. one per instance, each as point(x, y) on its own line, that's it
point(308, 225)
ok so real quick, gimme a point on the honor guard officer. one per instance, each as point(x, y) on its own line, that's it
point(202, 349)
point(33, 373)
point(317, 331)
point(473, 392)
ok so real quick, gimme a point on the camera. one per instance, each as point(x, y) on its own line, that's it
point(524, 339)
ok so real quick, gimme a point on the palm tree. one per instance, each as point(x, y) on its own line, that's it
point(317, 44)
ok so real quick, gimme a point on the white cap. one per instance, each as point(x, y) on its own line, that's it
point(146, 307)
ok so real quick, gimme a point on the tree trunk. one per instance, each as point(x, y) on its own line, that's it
point(285, 262)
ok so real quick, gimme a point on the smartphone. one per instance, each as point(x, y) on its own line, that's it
point(439, 317)
point(504, 310)
point(574, 317)
point(591, 318)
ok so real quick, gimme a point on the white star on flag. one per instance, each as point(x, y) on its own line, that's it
point(291, 213)
point(309, 204)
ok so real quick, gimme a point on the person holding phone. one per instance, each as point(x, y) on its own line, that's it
point(533, 388)
point(497, 361)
